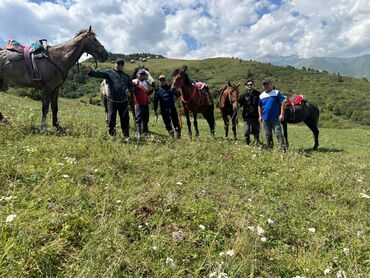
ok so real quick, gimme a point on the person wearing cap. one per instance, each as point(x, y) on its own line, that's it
point(249, 102)
point(118, 83)
point(166, 99)
point(271, 111)
point(142, 91)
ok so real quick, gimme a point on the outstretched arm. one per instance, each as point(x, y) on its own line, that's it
point(97, 74)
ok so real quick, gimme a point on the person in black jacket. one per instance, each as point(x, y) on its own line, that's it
point(166, 99)
point(249, 102)
point(118, 82)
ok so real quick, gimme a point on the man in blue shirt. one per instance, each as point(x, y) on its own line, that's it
point(166, 99)
point(271, 113)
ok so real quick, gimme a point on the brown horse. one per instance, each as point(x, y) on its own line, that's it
point(194, 99)
point(228, 105)
point(53, 67)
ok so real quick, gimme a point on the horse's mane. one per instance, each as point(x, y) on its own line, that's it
point(83, 31)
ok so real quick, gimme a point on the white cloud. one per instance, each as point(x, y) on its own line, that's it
point(242, 28)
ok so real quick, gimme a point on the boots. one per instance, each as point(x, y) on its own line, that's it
point(247, 139)
point(145, 128)
point(138, 131)
point(270, 141)
point(178, 133)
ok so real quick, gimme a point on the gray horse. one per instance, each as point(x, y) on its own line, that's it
point(53, 67)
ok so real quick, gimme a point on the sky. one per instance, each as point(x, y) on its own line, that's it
point(197, 29)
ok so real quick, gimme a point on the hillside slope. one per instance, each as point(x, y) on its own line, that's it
point(81, 205)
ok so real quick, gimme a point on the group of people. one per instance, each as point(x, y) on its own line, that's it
point(266, 107)
point(119, 82)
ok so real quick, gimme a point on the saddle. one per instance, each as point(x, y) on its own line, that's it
point(16, 51)
point(296, 109)
point(204, 97)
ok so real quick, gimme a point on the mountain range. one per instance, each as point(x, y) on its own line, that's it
point(356, 66)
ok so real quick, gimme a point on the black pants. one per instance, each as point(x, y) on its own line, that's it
point(142, 118)
point(122, 109)
point(251, 126)
point(170, 118)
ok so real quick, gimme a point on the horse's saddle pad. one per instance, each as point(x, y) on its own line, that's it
point(295, 100)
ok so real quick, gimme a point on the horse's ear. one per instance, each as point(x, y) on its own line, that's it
point(229, 84)
point(184, 68)
point(90, 29)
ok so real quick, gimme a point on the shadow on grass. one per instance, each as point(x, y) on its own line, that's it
point(319, 150)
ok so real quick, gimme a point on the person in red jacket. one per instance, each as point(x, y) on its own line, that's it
point(142, 91)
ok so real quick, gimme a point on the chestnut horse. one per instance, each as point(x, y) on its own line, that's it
point(228, 105)
point(194, 99)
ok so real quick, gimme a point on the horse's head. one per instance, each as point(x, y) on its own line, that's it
point(233, 94)
point(91, 45)
point(180, 78)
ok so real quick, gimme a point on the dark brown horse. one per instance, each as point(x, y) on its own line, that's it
point(53, 68)
point(194, 99)
point(303, 111)
point(228, 105)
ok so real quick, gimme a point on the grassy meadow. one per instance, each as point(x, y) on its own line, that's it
point(81, 205)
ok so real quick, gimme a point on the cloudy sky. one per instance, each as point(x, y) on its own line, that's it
point(194, 29)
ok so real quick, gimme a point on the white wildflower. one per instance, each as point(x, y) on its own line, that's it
point(118, 201)
point(96, 170)
point(363, 195)
point(327, 271)
point(251, 228)
point(298, 276)
point(221, 254)
point(60, 164)
point(260, 231)
point(155, 248)
point(254, 156)
point(263, 239)
point(230, 253)
point(359, 180)
point(70, 160)
point(179, 183)
point(158, 184)
point(140, 226)
point(202, 227)
point(213, 274)
point(65, 176)
point(346, 251)
point(341, 274)
point(10, 218)
point(170, 262)
point(270, 221)
point(222, 275)
point(312, 230)
point(8, 198)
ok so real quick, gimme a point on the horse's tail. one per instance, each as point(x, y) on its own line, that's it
point(104, 90)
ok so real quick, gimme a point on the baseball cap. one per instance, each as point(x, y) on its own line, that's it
point(266, 81)
point(120, 62)
point(161, 77)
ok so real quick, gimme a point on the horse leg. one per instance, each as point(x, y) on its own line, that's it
point(212, 121)
point(188, 122)
point(312, 124)
point(226, 124)
point(285, 130)
point(196, 124)
point(234, 122)
point(45, 110)
point(54, 109)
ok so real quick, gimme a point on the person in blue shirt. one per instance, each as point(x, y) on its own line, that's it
point(166, 99)
point(271, 113)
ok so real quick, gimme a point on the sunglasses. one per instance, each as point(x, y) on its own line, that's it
point(250, 84)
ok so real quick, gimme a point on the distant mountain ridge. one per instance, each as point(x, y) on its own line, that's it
point(356, 66)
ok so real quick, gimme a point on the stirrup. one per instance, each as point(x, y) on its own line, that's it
point(36, 75)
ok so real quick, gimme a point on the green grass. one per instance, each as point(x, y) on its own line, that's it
point(87, 206)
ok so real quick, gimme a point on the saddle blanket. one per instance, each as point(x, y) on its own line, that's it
point(295, 100)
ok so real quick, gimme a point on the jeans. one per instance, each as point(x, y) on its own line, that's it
point(142, 118)
point(251, 126)
point(274, 126)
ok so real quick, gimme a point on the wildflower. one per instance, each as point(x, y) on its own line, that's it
point(65, 176)
point(363, 195)
point(312, 230)
point(341, 274)
point(251, 228)
point(10, 218)
point(254, 156)
point(213, 274)
point(169, 262)
point(179, 183)
point(270, 221)
point(263, 239)
point(260, 231)
point(118, 201)
point(222, 275)
point(221, 254)
point(346, 251)
point(60, 164)
point(70, 160)
point(9, 198)
point(140, 226)
point(178, 236)
point(230, 253)
point(359, 180)
point(327, 271)
point(155, 248)
point(202, 227)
